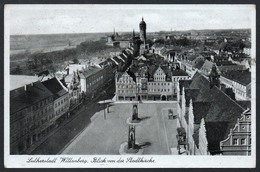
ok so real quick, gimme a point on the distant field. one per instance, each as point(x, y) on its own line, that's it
point(52, 42)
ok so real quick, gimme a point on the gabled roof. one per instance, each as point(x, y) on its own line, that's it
point(119, 74)
point(207, 66)
point(55, 87)
point(152, 70)
point(20, 99)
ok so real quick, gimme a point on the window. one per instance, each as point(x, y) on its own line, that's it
point(235, 142)
point(243, 141)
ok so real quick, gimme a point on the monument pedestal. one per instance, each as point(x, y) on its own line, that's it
point(123, 150)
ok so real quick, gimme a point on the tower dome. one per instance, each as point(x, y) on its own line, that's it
point(142, 22)
point(142, 27)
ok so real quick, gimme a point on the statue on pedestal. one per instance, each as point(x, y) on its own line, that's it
point(131, 137)
point(135, 113)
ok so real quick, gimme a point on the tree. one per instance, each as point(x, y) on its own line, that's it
point(76, 61)
point(17, 70)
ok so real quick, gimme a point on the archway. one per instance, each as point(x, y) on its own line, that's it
point(164, 98)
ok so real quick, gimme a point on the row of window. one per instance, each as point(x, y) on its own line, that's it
point(61, 102)
point(159, 90)
point(158, 83)
point(127, 81)
point(95, 81)
point(179, 78)
point(240, 93)
point(126, 86)
point(243, 141)
point(26, 130)
point(61, 110)
point(159, 78)
point(126, 91)
point(31, 108)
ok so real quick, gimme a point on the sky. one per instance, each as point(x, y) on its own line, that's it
point(48, 19)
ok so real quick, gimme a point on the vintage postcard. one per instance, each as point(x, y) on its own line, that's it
point(130, 86)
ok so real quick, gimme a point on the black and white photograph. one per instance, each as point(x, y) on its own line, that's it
point(130, 86)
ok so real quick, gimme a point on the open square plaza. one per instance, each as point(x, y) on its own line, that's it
point(108, 131)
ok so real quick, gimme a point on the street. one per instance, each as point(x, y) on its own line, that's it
point(77, 123)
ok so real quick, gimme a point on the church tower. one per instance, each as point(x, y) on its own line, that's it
point(133, 35)
point(142, 27)
point(214, 77)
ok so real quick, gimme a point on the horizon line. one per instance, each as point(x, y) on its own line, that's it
point(129, 31)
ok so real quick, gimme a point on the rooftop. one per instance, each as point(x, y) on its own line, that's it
point(55, 87)
point(21, 98)
point(241, 76)
point(224, 112)
point(17, 81)
point(179, 73)
point(90, 71)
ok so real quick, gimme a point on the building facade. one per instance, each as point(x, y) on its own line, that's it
point(125, 86)
point(31, 116)
point(61, 97)
point(239, 139)
point(160, 84)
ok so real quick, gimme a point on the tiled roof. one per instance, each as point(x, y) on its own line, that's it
point(191, 94)
point(119, 74)
point(152, 70)
point(224, 63)
point(179, 73)
point(199, 64)
point(220, 58)
point(200, 110)
point(243, 76)
point(207, 66)
point(90, 71)
point(131, 74)
point(216, 132)
point(185, 84)
point(244, 103)
point(224, 111)
point(55, 87)
point(20, 99)
point(196, 134)
point(191, 57)
point(117, 59)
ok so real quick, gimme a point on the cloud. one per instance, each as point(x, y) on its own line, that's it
point(104, 18)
